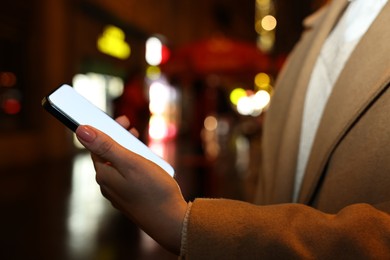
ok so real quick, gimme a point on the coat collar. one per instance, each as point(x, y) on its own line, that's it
point(280, 189)
point(375, 72)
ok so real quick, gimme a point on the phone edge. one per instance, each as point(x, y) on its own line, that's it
point(57, 113)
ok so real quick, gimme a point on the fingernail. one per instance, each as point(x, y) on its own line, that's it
point(86, 133)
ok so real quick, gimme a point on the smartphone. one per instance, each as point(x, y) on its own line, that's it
point(72, 109)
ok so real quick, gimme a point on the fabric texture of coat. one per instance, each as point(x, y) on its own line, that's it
point(344, 204)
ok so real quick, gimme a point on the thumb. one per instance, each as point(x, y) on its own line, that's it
point(99, 144)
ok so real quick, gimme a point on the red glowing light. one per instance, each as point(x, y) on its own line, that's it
point(12, 106)
point(165, 54)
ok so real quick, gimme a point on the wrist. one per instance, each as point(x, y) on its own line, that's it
point(174, 234)
point(183, 246)
point(165, 225)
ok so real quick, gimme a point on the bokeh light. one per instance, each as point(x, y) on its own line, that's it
point(268, 22)
point(261, 80)
point(210, 123)
point(263, 3)
point(158, 128)
point(153, 72)
point(244, 106)
point(153, 51)
point(11, 106)
point(251, 103)
point(159, 96)
point(265, 25)
point(261, 99)
point(7, 79)
point(236, 95)
point(112, 42)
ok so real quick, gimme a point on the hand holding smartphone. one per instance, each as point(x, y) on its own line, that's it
point(72, 109)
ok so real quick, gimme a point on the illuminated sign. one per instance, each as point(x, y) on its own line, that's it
point(112, 42)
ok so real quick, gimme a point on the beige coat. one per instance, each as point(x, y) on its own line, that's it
point(345, 197)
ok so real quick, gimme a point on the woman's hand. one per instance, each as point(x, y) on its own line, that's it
point(136, 186)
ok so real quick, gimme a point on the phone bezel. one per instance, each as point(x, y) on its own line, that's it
point(58, 113)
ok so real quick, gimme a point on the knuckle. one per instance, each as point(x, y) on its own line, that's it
point(104, 148)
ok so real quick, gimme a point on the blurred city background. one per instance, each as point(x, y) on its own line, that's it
point(194, 77)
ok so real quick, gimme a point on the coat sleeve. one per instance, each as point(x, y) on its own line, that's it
point(228, 229)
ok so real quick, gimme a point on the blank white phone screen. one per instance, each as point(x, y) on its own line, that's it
point(76, 107)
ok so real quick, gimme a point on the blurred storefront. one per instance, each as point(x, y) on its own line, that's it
point(46, 43)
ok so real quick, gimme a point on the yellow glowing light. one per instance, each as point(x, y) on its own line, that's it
point(263, 2)
point(262, 79)
point(268, 22)
point(112, 42)
point(266, 41)
point(258, 27)
point(236, 94)
point(153, 72)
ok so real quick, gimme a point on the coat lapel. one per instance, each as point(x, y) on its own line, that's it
point(282, 188)
point(374, 75)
